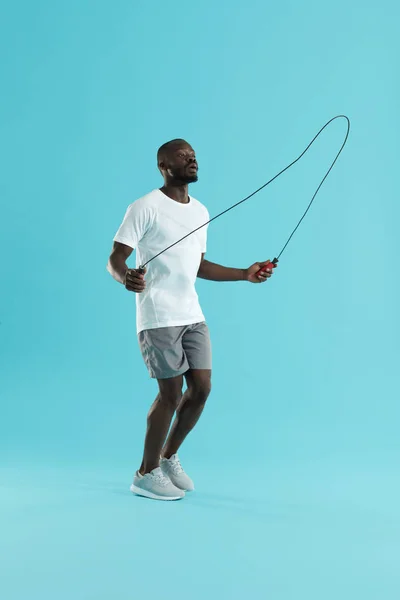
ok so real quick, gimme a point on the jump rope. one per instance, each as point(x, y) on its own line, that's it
point(270, 265)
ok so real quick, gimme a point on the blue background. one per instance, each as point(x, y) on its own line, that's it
point(296, 458)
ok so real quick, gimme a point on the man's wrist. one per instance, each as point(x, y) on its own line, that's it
point(123, 274)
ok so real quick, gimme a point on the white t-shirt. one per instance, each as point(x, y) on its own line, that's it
point(151, 224)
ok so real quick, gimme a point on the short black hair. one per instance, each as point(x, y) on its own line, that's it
point(163, 150)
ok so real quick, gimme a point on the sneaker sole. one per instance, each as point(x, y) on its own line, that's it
point(184, 489)
point(140, 492)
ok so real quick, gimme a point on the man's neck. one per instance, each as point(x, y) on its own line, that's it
point(180, 193)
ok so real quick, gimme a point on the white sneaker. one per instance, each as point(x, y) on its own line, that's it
point(172, 468)
point(155, 485)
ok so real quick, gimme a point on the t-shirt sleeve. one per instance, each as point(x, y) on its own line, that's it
point(136, 223)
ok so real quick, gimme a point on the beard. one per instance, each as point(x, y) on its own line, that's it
point(184, 177)
point(191, 178)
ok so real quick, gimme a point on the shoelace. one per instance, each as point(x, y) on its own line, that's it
point(160, 478)
point(176, 467)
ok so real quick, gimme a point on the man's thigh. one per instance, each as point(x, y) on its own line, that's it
point(163, 352)
point(196, 344)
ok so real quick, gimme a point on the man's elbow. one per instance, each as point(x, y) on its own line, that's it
point(109, 266)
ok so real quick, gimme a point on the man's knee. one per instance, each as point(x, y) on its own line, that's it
point(170, 391)
point(199, 386)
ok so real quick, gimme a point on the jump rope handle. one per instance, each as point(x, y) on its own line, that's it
point(141, 270)
point(269, 265)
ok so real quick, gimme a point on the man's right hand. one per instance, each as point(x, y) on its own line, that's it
point(134, 281)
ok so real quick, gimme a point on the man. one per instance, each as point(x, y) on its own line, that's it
point(173, 336)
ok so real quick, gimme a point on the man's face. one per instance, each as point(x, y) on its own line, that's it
point(181, 165)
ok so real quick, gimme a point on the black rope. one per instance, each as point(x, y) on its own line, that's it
point(141, 268)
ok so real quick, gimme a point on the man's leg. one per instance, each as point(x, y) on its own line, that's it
point(159, 420)
point(189, 410)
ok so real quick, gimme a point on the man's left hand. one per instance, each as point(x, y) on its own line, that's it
point(252, 276)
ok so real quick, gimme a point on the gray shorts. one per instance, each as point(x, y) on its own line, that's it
point(171, 351)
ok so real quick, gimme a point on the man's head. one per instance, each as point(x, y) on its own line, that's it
point(177, 163)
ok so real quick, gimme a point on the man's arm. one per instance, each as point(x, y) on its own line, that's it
point(214, 272)
point(254, 274)
point(117, 266)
